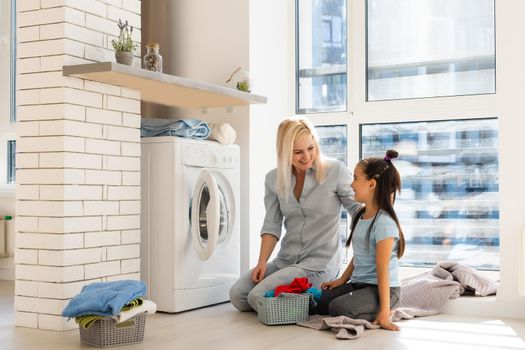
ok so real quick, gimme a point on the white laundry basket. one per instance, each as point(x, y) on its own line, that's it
point(287, 308)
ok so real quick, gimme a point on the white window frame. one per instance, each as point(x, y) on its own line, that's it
point(7, 189)
point(7, 125)
point(406, 110)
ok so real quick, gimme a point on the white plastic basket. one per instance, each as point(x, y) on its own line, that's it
point(287, 308)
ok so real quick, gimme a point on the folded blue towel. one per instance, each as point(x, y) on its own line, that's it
point(191, 128)
point(104, 298)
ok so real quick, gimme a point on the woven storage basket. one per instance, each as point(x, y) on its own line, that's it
point(287, 308)
point(106, 332)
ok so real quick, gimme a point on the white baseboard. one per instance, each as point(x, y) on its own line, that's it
point(484, 307)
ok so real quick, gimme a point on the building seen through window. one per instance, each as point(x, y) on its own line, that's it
point(449, 204)
point(321, 56)
point(11, 161)
point(427, 48)
point(333, 143)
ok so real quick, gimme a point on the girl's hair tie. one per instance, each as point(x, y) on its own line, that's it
point(387, 158)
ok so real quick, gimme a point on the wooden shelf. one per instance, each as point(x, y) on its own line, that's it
point(163, 88)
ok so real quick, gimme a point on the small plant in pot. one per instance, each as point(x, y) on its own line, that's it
point(124, 45)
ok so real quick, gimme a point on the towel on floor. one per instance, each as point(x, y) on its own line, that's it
point(222, 133)
point(345, 327)
point(104, 298)
point(190, 128)
point(426, 294)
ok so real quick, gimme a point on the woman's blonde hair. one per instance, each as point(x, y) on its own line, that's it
point(288, 132)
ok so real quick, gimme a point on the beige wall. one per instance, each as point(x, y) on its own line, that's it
point(510, 103)
point(272, 63)
point(199, 45)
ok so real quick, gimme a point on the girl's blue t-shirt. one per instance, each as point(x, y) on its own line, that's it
point(365, 260)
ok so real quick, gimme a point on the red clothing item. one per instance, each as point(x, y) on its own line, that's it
point(298, 285)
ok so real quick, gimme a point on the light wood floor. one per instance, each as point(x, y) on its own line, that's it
point(222, 327)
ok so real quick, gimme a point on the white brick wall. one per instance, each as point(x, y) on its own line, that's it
point(78, 160)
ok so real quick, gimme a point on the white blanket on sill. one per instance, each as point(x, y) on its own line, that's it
point(426, 294)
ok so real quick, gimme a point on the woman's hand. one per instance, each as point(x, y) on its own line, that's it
point(384, 320)
point(258, 272)
point(333, 284)
point(268, 242)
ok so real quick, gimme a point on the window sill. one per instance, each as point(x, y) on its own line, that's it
point(488, 306)
point(405, 272)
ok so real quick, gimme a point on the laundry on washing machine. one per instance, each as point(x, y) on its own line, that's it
point(223, 133)
point(190, 128)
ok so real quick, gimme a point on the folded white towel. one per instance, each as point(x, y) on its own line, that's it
point(147, 306)
point(222, 133)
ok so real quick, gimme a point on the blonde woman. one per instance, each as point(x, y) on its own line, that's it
point(306, 193)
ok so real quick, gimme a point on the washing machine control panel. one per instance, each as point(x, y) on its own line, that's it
point(224, 157)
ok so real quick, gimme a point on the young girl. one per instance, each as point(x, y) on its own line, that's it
point(377, 241)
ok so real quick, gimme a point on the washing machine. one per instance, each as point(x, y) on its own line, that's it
point(190, 248)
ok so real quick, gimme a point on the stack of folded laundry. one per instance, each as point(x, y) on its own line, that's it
point(223, 133)
point(191, 128)
point(120, 300)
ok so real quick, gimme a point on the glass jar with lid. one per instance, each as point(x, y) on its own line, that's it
point(152, 58)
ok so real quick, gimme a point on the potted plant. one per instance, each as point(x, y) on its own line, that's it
point(124, 45)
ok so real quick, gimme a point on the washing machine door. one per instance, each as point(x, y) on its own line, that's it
point(205, 215)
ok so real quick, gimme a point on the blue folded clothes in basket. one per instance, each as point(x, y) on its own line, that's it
point(104, 298)
point(190, 128)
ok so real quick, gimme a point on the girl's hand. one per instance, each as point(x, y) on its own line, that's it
point(332, 284)
point(258, 272)
point(384, 320)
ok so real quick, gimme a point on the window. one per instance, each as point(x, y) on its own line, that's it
point(332, 139)
point(11, 165)
point(427, 48)
point(7, 59)
point(7, 91)
point(449, 203)
point(321, 56)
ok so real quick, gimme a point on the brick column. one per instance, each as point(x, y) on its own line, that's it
point(78, 158)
